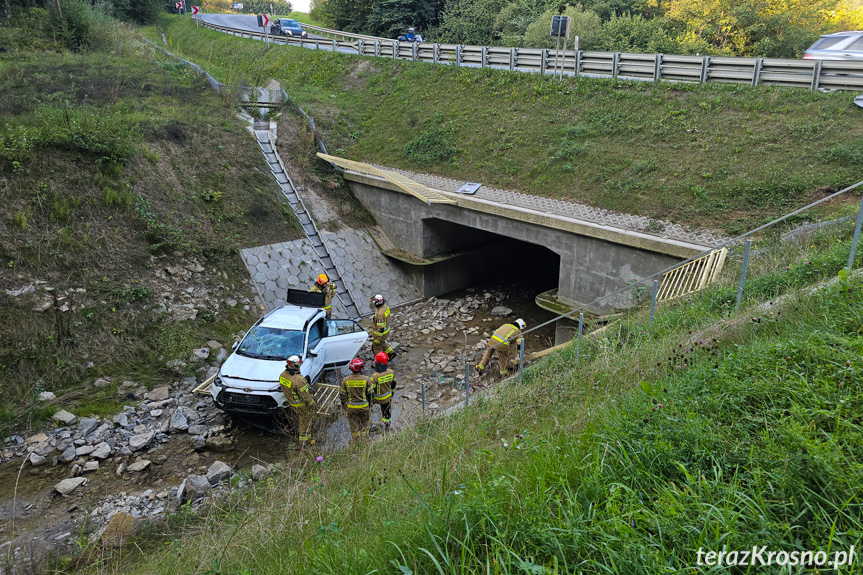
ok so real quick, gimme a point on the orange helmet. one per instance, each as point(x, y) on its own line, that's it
point(382, 358)
point(322, 279)
point(357, 365)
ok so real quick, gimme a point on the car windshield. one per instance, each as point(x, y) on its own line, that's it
point(290, 24)
point(271, 343)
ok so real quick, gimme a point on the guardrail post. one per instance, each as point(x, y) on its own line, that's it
point(816, 74)
point(395, 49)
point(705, 64)
point(657, 67)
point(856, 237)
point(360, 47)
point(614, 63)
point(377, 48)
point(756, 72)
point(436, 47)
point(335, 45)
point(458, 55)
point(483, 55)
point(521, 361)
point(743, 272)
point(414, 51)
point(577, 62)
point(467, 383)
point(543, 62)
point(511, 59)
point(580, 330)
point(653, 301)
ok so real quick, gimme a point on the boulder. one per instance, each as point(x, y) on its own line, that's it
point(87, 425)
point(102, 451)
point(200, 354)
point(156, 413)
point(69, 454)
point(179, 421)
point(214, 345)
point(121, 419)
point(36, 460)
point(139, 466)
point(141, 440)
point(198, 429)
point(259, 472)
point(219, 444)
point(64, 417)
point(90, 466)
point(102, 382)
point(501, 311)
point(218, 472)
point(47, 396)
point(118, 529)
point(85, 450)
point(192, 488)
point(67, 486)
point(159, 394)
point(222, 355)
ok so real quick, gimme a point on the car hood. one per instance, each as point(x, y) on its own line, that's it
point(249, 373)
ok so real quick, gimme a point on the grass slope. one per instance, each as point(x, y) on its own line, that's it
point(718, 155)
point(718, 429)
point(114, 164)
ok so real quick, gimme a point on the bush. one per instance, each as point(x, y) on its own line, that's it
point(585, 24)
point(431, 147)
point(636, 34)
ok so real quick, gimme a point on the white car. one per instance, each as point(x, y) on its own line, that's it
point(248, 381)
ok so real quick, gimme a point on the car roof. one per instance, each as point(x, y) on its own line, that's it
point(289, 317)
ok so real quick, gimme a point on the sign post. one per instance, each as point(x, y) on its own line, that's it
point(560, 27)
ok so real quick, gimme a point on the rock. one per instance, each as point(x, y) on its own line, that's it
point(200, 354)
point(218, 472)
point(179, 421)
point(139, 466)
point(69, 454)
point(199, 443)
point(67, 486)
point(159, 393)
point(222, 355)
point(219, 444)
point(43, 304)
point(176, 365)
point(192, 488)
point(102, 451)
point(38, 438)
point(36, 460)
point(90, 466)
point(501, 311)
point(198, 429)
point(27, 289)
point(85, 450)
point(47, 396)
point(156, 413)
point(231, 302)
point(102, 382)
point(121, 419)
point(214, 345)
point(259, 472)
point(118, 529)
point(141, 440)
point(64, 417)
point(44, 449)
point(87, 425)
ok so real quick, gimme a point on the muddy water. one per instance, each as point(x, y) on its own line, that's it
point(33, 518)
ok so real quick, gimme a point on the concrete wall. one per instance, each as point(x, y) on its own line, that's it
point(589, 267)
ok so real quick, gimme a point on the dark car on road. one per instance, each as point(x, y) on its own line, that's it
point(287, 27)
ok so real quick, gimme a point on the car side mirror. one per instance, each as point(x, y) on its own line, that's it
point(313, 353)
point(235, 344)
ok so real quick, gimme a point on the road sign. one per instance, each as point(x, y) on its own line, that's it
point(179, 5)
point(265, 18)
point(196, 10)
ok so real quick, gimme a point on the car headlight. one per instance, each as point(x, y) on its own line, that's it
point(305, 34)
point(217, 382)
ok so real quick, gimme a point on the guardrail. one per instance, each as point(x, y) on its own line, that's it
point(811, 74)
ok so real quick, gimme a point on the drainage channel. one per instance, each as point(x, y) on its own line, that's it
point(264, 138)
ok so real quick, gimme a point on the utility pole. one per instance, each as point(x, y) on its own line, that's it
point(57, 3)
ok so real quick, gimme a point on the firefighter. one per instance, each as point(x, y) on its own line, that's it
point(355, 391)
point(328, 288)
point(381, 327)
point(500, 342)
point(295, 386)
point(383, 385)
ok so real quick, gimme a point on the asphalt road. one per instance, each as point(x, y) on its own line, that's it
point(240, 21)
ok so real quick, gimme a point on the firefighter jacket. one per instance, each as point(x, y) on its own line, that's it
point(504, 335)
point(354, 391)
point(296, 389)
point(329, 290)
point(381, 321)
point(383, 384)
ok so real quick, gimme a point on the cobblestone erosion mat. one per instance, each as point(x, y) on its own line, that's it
point(65, 486)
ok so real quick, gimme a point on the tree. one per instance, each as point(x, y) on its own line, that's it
point(636, 34)
point(390, 18)
point(469, 21)
point(279, 7)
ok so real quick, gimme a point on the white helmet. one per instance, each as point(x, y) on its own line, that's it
point(294, 362)
point(410, 29)
point(377, 300)
point(520, 324)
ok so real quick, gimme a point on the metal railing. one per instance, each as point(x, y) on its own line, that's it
point(810, 74)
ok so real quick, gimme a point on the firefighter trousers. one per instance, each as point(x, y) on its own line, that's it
point(504, 358)
point(358, 421)
point(305, 419)
point(386, 412)
point(379, 344)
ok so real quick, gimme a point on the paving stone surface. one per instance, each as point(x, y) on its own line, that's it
point(276, 267)
point(642, 224)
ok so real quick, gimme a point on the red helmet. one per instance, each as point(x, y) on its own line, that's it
point(382, 358)
point(357, 365)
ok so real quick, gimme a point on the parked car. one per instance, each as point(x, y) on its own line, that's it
point(287, 27)
point(838, 46)
point(248, 381)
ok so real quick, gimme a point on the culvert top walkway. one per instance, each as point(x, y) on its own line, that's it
point(570, 210)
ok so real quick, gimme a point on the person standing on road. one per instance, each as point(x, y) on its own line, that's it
point(381, 327)
point(383, 382)
point(354, 393)
point(500, 342)
point(295, 386)
point(325, 286)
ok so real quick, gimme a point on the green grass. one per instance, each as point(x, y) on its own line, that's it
point(718, 428)
point(712, 155)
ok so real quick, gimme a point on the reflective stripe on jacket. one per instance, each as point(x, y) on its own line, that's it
point(383, 384)
point(329, 290)
point(354, 391)
point(296, 389)
point(504, 335)
point(381, 321)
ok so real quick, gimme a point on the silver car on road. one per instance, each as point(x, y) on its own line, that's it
point(838, 46)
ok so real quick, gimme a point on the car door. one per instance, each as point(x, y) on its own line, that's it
point(316, 350)
point(344, 339)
